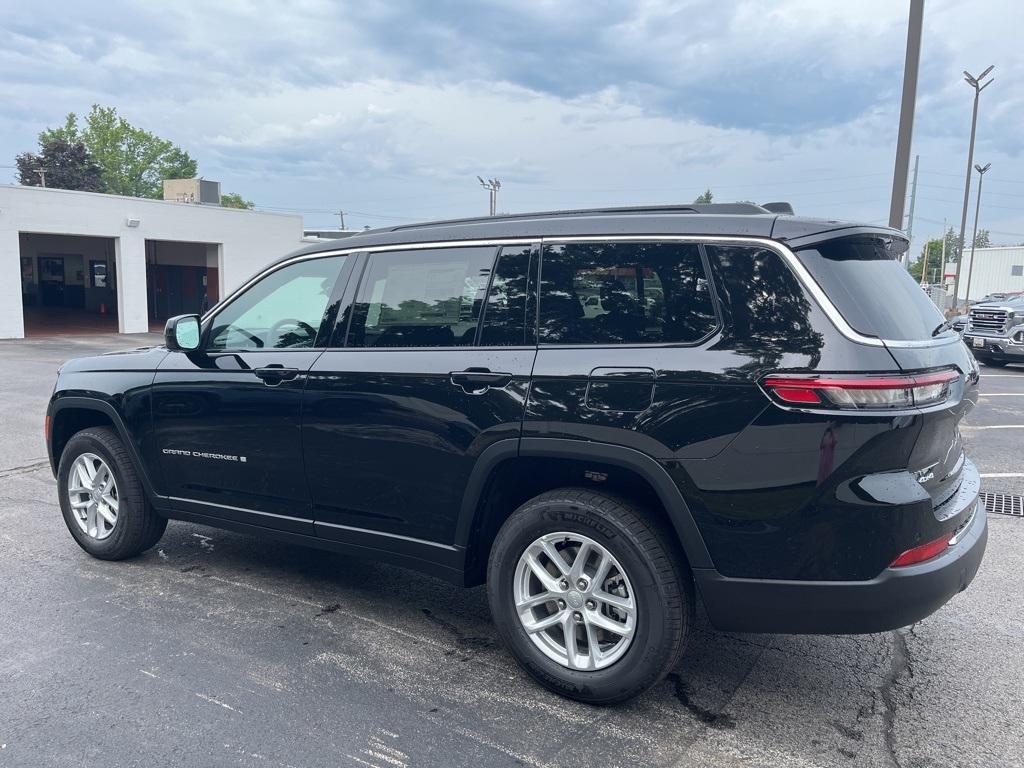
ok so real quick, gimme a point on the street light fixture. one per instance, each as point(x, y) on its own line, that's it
point(978, 86)
point(492, 186)
point(981, 177)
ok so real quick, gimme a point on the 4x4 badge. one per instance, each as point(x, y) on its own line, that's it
point(926, 474)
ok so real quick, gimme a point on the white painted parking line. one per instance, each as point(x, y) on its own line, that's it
point(1000, 376)
point(1002, 474)
point(1002, 394)
point(993, 426)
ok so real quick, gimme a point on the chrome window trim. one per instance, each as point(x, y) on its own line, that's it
point(345, 252)
point(803, 276)
point(465, 348)
point(796, 266)
point(267, 271)
point(226, 301)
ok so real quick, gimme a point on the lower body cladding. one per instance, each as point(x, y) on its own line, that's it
point(897, 597)
point(999, 348)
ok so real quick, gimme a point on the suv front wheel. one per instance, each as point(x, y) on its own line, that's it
point(590, 595)
point(101, 497)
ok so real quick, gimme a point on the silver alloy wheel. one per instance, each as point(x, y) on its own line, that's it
point(92, 494)
point(574, 601)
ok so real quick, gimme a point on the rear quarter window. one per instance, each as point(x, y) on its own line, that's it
point(624, 293)
point(874, 293)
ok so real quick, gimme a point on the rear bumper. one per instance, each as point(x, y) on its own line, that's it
point(895, 598)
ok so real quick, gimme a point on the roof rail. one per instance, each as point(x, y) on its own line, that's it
point(698, 208)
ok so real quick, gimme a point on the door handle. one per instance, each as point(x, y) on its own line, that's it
point(272, 375)
point(476, 381)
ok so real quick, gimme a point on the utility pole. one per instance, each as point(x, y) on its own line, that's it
point(899, 178)
point(976, 84)
point(913, 199)
point(341, 215)
point(492, 186)
point(41, 172)
point(977, 209)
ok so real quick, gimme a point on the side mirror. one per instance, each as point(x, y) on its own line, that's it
point(181, 334)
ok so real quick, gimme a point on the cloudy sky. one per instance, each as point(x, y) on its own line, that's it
point(389, 110)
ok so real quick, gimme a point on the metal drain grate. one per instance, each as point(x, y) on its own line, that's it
point(1003, 503)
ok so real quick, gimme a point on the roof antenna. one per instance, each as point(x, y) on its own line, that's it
point(785, 208)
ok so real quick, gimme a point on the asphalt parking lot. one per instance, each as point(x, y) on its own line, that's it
point(220, 649)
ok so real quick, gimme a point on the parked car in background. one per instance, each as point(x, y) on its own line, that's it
point(995, 332)
point(764, 410)
point(997, 297)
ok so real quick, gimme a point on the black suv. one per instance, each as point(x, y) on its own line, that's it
point(599, 414)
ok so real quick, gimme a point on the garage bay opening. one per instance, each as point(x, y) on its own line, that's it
point(68, 284)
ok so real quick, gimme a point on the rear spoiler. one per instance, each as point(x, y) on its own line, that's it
point(805, 239)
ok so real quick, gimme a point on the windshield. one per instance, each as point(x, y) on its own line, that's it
point(872, 290)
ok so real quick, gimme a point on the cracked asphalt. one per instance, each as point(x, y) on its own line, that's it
point(217, 649)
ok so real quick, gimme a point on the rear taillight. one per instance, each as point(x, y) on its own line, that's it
point(921, 553)
point(861, 392)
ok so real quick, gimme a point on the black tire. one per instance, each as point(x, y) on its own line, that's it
point(138, 526)
point(648, 552)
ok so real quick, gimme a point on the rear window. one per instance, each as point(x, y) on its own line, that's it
point(875, 294)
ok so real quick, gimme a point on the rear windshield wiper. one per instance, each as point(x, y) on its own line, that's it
point(944, 326)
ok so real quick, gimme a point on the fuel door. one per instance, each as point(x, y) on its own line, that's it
point(620, 389)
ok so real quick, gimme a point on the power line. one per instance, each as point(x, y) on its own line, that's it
point(957, 175)
point(956, 189)
point(1018, 208)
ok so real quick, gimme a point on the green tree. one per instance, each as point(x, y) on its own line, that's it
point(706, 197)
point(930, 261)
point(952, 245)
point(63, 165)
point(235, 200)
point(982, 239)
point(132, 161)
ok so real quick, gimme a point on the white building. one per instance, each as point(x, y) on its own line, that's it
point(996, 270)
point(105, 262)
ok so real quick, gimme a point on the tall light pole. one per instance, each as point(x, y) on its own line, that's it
point(910, 65)
point(977, 209)
point(978, 86)
point(492, 186)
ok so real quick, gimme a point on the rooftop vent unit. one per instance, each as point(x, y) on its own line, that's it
point(192, 191)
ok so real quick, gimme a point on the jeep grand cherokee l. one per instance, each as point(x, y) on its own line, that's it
point(758, 409)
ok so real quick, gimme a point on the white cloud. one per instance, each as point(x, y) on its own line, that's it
point(394, 109)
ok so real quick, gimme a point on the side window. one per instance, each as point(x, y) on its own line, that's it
point(281, 311)
point(764, 301)
point(505, 312)
point(421, 298)
point(624, 293)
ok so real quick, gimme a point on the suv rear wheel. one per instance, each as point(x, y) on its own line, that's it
point(590, 595)
point(101, 498)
